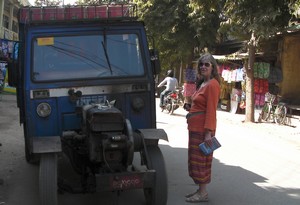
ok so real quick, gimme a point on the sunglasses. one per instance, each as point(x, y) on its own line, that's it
point(204, 64)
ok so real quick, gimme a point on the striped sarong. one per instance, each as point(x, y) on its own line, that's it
point(199, 165)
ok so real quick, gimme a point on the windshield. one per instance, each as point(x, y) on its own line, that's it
point(90, 56)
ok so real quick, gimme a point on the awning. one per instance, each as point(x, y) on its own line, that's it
point(229, 47)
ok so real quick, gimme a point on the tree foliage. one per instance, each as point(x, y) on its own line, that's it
point(169, 27)
point(262, 17)
point(206, 18)
point(254, 21)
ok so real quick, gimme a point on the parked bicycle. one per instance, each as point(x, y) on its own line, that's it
point(273, 110)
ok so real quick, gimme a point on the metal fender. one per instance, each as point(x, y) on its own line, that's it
point(46, 144)
point(153, 134)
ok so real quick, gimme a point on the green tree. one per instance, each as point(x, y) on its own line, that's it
point(255, 21)
point(168, 24)
point(182, 29)
point(205, 19)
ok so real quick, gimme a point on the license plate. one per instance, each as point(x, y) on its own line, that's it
point(127, 182)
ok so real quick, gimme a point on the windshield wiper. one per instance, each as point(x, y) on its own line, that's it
point(77, 55)
point(106, 56)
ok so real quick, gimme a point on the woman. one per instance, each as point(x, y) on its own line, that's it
point(202, 122)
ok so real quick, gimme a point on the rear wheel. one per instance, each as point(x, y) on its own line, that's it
point(158, 194)
point(48, 179)
point(280, 114)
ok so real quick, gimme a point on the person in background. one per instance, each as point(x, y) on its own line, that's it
point(171, 85)
point(189, 84)
point(202, 122)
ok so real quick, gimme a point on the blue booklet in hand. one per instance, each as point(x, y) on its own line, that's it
point(209, 146)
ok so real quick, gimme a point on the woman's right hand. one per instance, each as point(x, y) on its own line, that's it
point(187, 106)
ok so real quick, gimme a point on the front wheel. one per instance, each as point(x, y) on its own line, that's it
point(266, 111)
point(158, 194)
point(30, 157)
point(172, 109)
point(169, 106)
point(48, 179)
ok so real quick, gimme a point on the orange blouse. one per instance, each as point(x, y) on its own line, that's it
point(205, 99)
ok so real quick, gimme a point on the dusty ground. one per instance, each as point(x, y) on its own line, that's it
point(230, 128)
point(10, 149)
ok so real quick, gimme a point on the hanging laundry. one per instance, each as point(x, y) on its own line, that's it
point(239, 74)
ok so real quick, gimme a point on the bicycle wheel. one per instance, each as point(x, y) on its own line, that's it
point(280, 114)
point(265, 113)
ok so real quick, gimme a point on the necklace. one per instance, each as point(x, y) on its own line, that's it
point(204, 83)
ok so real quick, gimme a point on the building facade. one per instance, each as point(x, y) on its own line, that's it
point(8, 18)
point(290, 86)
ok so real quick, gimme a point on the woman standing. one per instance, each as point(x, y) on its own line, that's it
point(202, 122)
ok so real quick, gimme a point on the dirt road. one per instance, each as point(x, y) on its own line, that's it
point(257, 164)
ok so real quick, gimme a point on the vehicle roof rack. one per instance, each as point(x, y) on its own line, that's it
point(121, 12)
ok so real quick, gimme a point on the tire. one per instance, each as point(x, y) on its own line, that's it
point(280, 114)
point(259, 118)
point(31, 158)
point(169, 107)
point(158, 195)
point(266, 111)
point(172, 108)
point(48, 179)
point(175, 105)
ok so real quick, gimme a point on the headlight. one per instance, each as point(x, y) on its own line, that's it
point(43, 109)
point(137, 104)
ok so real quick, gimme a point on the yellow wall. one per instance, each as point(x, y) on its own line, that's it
point(290, 86)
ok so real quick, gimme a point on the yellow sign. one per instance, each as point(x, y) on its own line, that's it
point(46, 41)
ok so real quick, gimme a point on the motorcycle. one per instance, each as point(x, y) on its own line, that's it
point(172, 101)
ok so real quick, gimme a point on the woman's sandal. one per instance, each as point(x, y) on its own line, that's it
point(197, 197)
point(191, 194)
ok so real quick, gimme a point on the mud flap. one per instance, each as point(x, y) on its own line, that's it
point(46, 144)
point(153, 135)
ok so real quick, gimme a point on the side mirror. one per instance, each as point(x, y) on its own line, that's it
point(155, 63)
point(13, 67)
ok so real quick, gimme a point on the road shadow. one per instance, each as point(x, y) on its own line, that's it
point(231, 185)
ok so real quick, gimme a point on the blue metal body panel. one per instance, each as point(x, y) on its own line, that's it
point(63, 115)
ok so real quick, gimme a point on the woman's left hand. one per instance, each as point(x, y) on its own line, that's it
point(208, 135)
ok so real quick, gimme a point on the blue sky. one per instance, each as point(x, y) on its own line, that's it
point(65, 1)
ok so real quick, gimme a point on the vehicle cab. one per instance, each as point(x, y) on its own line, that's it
point(88, 71)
